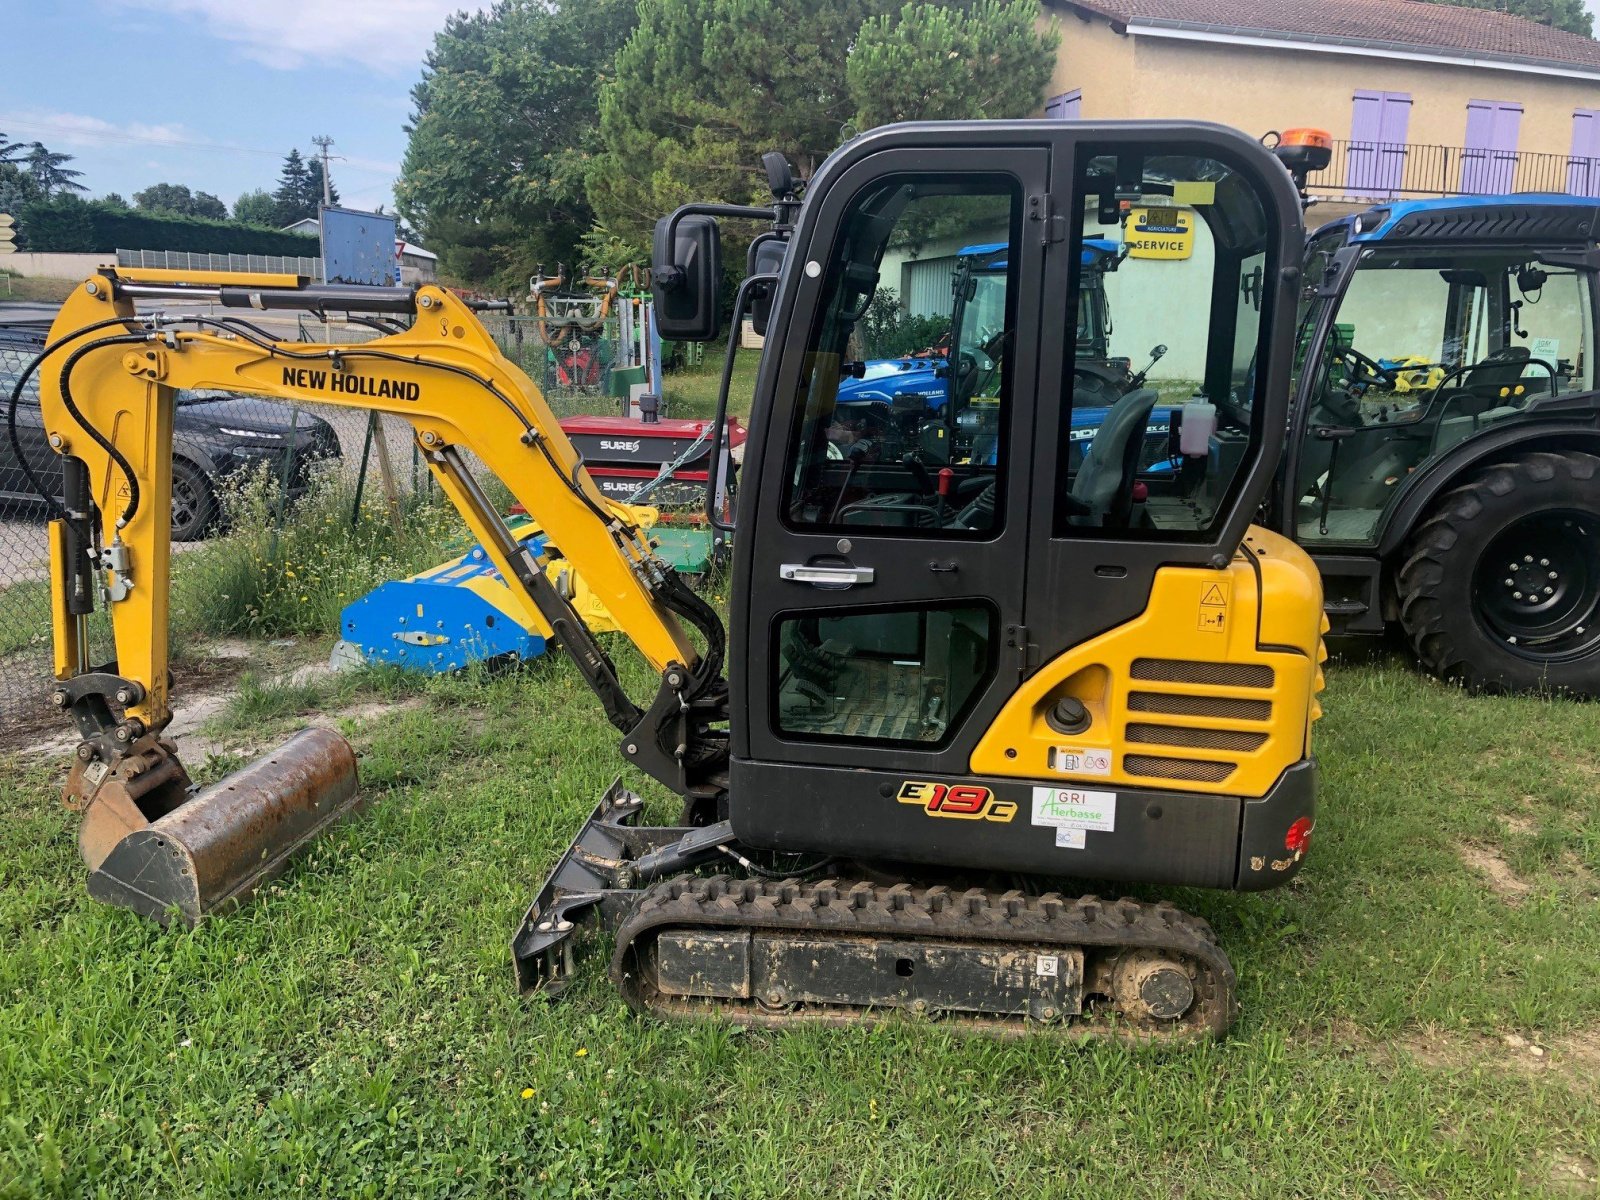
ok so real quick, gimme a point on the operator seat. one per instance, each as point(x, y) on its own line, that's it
point(1102, 488)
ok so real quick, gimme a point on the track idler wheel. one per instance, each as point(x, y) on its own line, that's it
point(155, 848)
point(1149, 986)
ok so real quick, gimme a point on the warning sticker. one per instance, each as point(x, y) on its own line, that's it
point(1070, 839)
point(1071, 761)
point(1073, 808)
point(1047, 965)
point(1213, 615)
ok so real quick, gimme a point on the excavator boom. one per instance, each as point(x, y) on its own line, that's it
point(108, 381)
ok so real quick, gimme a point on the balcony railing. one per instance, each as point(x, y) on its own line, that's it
point(1386, 170)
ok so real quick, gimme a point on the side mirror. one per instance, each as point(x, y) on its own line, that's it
point(765, 258)
point(1158, 353)
point(685, 279)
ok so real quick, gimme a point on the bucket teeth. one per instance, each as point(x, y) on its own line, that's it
point(217, 846)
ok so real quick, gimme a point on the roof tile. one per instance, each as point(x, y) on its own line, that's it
point(1417, 23)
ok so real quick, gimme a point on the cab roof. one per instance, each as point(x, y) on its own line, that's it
point(1523, 217)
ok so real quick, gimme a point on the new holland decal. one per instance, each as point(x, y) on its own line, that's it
point(964, 801)
point(351, 384)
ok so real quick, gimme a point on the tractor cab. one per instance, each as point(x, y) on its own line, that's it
point(1433, 336)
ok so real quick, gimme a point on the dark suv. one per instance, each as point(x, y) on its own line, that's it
point(215, 434)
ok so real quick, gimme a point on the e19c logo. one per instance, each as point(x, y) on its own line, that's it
point(964, 801)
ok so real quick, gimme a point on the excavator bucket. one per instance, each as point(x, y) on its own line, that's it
point(154, 846)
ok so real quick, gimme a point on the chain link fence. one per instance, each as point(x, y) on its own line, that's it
point(282, 512)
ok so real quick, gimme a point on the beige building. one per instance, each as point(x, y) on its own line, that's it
point(1421, 98)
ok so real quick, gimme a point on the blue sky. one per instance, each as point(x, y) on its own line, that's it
point(213, 93)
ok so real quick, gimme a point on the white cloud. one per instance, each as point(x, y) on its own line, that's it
point(77, 131)
point(390, 36)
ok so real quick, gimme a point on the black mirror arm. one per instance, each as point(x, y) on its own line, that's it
point(741, 301)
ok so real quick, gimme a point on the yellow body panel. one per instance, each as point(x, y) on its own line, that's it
point(1211, 689)
point(127, 392)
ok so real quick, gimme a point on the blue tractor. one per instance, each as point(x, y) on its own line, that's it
point(917, 388)
point(1444, 448)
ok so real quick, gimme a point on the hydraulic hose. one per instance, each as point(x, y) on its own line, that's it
point(105, 443)
point(57, 513)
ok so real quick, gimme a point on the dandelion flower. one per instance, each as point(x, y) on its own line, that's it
point(583, 1051)
point(527, 1093)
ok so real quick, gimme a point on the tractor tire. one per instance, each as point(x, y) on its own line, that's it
point(194, 502)
point(1499, 586)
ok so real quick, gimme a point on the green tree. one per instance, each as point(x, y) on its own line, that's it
point(50, 172)
point(177, 198)
point(209, 206)
point(10, 152)
point(702, 88)
point(293, 196)
point(114, 200)
point(1570, 15)
point(503, 124)
point(256, 208)
point(314, 185)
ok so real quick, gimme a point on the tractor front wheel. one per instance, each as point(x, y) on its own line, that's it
point(1500, 585)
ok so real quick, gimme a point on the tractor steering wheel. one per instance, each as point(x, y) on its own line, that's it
point(1370, 371)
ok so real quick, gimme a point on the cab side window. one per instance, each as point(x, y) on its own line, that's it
point(1172, 275)
point(905, 392)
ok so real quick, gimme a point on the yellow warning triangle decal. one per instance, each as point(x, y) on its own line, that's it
point(1214, 596)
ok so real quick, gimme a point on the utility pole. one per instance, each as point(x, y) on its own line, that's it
point(322, 142)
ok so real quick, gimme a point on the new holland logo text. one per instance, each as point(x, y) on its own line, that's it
point(965, 801)
point(350, 384)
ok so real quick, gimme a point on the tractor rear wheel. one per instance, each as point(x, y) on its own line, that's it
point(1500, 584)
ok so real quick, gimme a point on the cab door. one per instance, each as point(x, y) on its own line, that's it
point(881, 533)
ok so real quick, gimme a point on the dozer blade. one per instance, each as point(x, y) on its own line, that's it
point(154, 848)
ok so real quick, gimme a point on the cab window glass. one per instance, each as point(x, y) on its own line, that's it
point(1429, 347)
point(1159, 403)
point(885, 675)
point(902, 410)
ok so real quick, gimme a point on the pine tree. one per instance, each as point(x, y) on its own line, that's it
point(50, 172)
point(702, 88)
point(314, 185)
point(293, 192)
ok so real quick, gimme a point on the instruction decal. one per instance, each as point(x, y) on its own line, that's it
point(1075, 809)
point(1213, 614)
point(1070, 760)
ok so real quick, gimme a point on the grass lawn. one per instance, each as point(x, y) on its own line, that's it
point(355, 1030)
point(38, 291)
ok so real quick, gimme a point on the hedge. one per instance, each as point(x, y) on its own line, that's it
point(75, 227)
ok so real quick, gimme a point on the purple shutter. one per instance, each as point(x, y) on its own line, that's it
point(1489, 161)
point(1375, 163)
point(1066, 107)
point(1583, 165)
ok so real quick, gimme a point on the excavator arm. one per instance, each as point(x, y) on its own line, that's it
point(108, 382)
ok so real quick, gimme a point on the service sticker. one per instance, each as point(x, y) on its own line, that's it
point(1070, 839)
point(1074, 808)
point(1070, 760)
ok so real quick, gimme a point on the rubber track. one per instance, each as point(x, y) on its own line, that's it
point(862, 909)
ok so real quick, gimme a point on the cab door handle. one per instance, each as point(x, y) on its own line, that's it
point(839, 577)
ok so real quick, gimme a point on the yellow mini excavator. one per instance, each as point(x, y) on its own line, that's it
point(971, 649)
